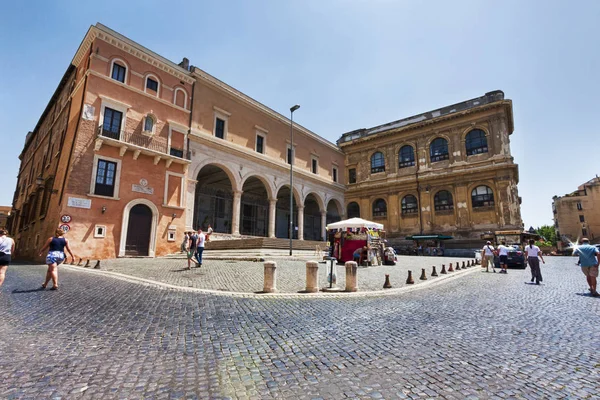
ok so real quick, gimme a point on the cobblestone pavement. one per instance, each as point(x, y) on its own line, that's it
point(486, 336)
point(247, 276)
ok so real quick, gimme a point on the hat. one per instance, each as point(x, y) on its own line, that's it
point(488, 242)
point(585, 240)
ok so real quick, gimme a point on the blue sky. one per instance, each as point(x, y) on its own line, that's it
point(349, 64)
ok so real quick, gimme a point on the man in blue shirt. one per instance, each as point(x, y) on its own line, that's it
point(590, 258)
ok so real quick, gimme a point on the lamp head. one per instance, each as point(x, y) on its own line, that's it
point(294, 108)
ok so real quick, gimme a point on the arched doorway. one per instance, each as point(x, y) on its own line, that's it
point(213, 204)
point(138, 231)
point(312, 219)
point(282, 214)
point(333, 212)
point(254, 209)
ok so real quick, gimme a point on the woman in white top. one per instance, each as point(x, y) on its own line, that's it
point(487, 256)
point(7, 248)
point(532, 253)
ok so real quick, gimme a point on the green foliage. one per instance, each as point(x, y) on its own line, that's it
point(548, 233)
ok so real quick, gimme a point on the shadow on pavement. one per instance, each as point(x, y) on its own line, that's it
point(39, 289)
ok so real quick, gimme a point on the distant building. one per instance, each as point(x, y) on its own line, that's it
point(4, 215)
point(444, 172)
point(577, 214)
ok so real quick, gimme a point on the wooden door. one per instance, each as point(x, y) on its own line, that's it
point(138, 231)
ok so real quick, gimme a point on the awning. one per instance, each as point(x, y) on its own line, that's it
point(354, 223)
point(429, 237)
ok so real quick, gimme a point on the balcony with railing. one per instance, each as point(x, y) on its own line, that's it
point(141, 143)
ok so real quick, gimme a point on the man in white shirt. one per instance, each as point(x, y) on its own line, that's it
point(503, 254)
point(487, 256)
point(200, 249)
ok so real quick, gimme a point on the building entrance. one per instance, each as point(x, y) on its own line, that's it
point(213, 204)
point(138, 231)
point(254, 213)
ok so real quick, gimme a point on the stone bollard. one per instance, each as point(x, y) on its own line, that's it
point(80, 261)
point(423, 275)
point(312, 276)
point(387, 284)
point(464, 266)
point(87, 264)
point(443, 271)
point(468, 263)
point(351, 276)
point(450, 269)
point(410, 280)
point(434, 272)
point(270, 280)
point(97, 266)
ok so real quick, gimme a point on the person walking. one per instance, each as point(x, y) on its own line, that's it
point(590, 259)
point(200, 248)
point(56, 255)
point(487, 256)
point(503, 255)
point(191, 248)
point(532, 252)
point(209, 232)
point(7, 248)
point(184, 243)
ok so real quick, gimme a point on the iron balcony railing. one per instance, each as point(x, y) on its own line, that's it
point(150, 142)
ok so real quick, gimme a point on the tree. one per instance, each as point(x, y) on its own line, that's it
point(549, 234)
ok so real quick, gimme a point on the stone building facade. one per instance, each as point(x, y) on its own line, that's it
point(577, 214)
point(448, 172)
point(4, 214)
point(133, 150)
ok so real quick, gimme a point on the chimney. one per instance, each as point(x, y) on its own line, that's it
point(185, 63)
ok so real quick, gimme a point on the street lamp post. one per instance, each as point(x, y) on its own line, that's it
point(292, 109)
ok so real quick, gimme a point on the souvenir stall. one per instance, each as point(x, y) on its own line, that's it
point(348, 235)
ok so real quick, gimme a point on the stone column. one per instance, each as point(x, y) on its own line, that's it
point(189, 206)
point(300, 223)
point(312, 276)
point(351, 276)
point(235, 219)
point(272, 216)
point(323, 224)
point(270, 280)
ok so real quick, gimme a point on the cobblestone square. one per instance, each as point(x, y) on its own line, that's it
point(478, 336)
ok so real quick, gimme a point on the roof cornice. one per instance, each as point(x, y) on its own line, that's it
point(206, 77)
point(106, 34)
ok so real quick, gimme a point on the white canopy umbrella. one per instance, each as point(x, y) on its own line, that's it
point(355, 223)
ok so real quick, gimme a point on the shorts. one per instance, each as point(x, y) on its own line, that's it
point(190, 254)
point(590, 271)
point(55, 257)
point(4, 260)
point(503, 259)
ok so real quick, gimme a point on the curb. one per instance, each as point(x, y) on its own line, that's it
point(319, 295)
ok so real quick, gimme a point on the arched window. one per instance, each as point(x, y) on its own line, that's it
point(438, 150)
point(118, 71)
point(443, 201)
point(409, 205)
point(152, 85)
point(180, 98)
point(149, 123)
point(482, 196)
point(379, 208)
point(476, 142)
point(406, 157)
point(353, 210)
point(377, 162)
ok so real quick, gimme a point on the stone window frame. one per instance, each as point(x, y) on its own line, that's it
point(379, 168)
point(158, 84)
point(334, 173)
point(466, 141)
point(100, 231)
point(380, 214)
point(314, 164)
point(118, 161)
point(483, 206)
point(123, 64)
point(447, 154)
point(400, 162)
point(185, 96)
point(223, 115)
point(154, 120)
point(181, 194)
point(443, 207)
point(409, 210)
point(263, 135)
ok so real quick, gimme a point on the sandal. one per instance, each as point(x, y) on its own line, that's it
point(54, 288)
point(44, 286)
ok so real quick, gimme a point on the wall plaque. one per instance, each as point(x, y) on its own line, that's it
point(79, 203)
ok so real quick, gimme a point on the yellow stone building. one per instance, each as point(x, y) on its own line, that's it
point(444, 172)
point(577, 214)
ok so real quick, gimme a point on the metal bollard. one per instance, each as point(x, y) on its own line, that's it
point(97, 266)
point(443, 271)
point(423, 275)
point(351, 276)
point(450, 269)
point(312, 276)
point(410, 280)
point(434, 272)
point(87, 264)
point(270, 280)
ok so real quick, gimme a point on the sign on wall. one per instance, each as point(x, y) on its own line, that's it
point(79, 203)
point(65, 219)
point(65, 228)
